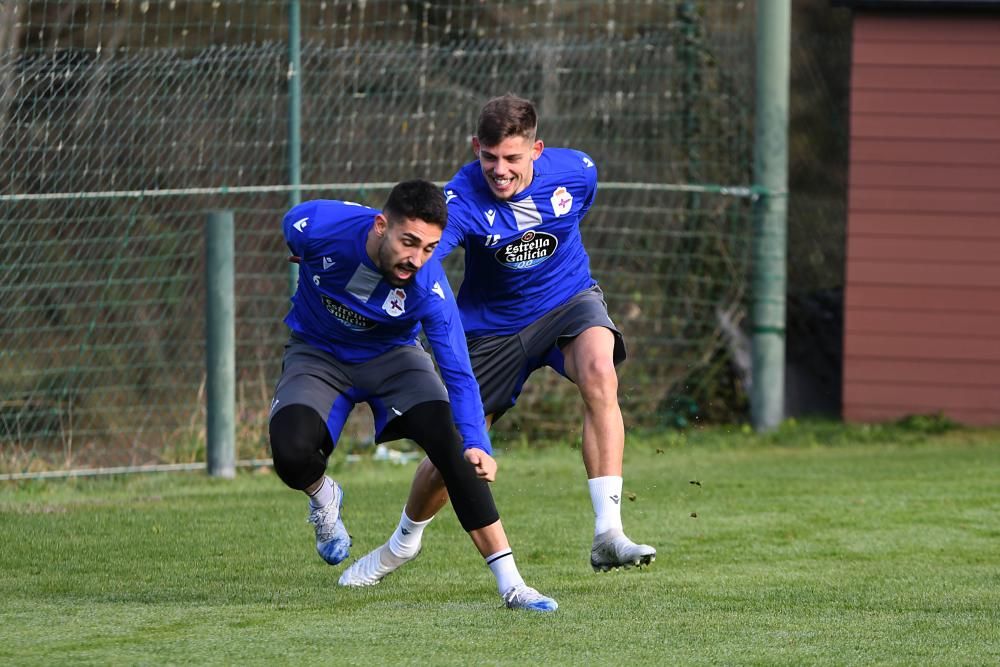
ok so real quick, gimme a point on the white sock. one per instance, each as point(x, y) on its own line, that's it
point(504, 569)
point(322, 496)
point(606, 496)
point(405, 540)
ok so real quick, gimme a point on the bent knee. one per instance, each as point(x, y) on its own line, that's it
point(300, 445)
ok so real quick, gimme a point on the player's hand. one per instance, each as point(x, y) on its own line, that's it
point(485, 465)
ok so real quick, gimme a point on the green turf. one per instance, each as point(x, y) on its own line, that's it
point(801, 548)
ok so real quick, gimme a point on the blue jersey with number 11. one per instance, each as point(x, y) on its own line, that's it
point(523, 257)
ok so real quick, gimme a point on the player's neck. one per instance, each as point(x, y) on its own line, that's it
point(371, 247)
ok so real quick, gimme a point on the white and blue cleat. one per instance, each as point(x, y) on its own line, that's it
point(525, 597)
point(333, 543)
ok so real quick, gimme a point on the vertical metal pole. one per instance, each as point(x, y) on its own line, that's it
point(767, 394)
point(294, 119)
point(689, 54)
point(220, 344)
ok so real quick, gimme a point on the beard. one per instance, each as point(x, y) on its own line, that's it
point(396, 281)
point(386, 267)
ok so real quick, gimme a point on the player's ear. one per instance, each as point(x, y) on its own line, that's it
point(381, 224)
point(536, 149)
point(475, 145)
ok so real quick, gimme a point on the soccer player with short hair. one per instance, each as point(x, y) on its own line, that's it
point(367, 284)
point(528, 300)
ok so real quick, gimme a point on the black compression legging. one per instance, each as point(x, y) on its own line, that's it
point(431, 426)
point(300, 445)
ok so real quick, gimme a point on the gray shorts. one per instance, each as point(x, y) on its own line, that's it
point(503, 363)
point(391, 384)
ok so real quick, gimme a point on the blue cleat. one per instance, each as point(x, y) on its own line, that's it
point(332, 541)
point(523, 596)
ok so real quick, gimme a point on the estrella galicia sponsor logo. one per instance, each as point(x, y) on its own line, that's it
point(350, 319)
point(530, 250)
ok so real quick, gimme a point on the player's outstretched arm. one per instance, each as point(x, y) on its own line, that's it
point(485, 465)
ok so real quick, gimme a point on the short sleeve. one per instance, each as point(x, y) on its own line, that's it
point(296, 227)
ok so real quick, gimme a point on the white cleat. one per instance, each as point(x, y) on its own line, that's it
point(373, 567)
point(523, 596)
point(613, 549)
point(333, 542)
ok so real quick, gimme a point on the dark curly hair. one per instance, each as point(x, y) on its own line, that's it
point(417, 199)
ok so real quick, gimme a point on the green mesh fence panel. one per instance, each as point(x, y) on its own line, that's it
point(123, 123)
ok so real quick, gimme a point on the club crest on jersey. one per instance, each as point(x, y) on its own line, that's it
point(562, 201)
point(395, 302)
point(350, 319)
point(530, 250)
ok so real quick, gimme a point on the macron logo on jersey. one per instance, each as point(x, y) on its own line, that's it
point(587, 162)
point(327, 263)
point(437, 289)
point(300, 225)
point(490, 216)
point(449, 195)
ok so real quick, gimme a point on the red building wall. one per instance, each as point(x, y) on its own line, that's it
point(922, 302)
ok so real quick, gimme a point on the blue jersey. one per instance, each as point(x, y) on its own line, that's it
point(523, 257)
point(344, 307)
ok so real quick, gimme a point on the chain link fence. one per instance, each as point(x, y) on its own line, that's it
point(123, 123)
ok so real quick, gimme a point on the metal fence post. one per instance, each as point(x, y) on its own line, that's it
point(220, 344)
point(294, 119)
point(767, 394)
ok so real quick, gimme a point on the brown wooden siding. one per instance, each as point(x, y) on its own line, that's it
point(915, 150)
point(922, 309)
point(927, 225)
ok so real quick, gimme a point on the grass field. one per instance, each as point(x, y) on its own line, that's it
point(816, 546)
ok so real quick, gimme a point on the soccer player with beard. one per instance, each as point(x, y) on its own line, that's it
point(528, 300)
point(367, 284)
